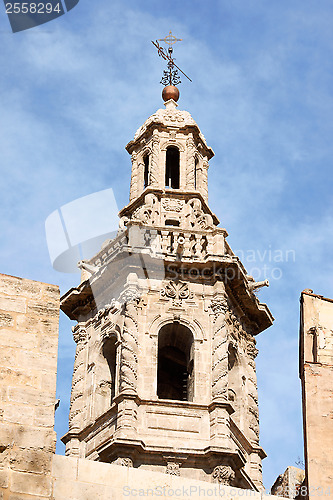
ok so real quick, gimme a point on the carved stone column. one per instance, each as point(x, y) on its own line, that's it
point(134, 188)
point(219, 307)
point(129, 337)
point(204, 180)
point(190, 164)
point(253, 410)
point(154, 177)
point(77, 403)
point(220, 408)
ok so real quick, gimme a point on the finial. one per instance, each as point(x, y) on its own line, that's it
point(170, 76)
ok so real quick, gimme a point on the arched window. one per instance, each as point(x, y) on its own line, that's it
point(175, 365)
point(196, 163)
point(172, 168)
point(236, 384)
point(146, 170)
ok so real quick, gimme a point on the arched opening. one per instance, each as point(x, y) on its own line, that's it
point(146, 170)
point(172, 168)
point(105, 372)
point(175, 364)
point(196, 163)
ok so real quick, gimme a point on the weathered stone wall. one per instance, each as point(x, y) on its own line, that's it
point(29, 317)
point(316, 372)
point(82, 479)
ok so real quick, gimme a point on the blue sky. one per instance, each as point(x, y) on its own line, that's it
point(75, 90)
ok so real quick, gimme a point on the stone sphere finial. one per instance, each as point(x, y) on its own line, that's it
point(170, 92)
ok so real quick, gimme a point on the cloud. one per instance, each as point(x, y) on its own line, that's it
point(74, 95)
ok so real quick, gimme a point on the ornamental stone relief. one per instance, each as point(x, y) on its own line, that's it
point(125, 462)
point(149, 212)
point(224, 474)
point(177, 291)
point(196, 217)
point(173, 468)
point(172, 205)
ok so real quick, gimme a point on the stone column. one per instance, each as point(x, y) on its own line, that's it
point(154, 174)
point(253, 410)
point(77, 403)
point(129, 337)
point(134, 188)
point(219, 307)
point(190, 164)
point(220, 409)
point(204, 180)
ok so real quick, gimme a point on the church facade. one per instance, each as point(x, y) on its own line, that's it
point(164, 375)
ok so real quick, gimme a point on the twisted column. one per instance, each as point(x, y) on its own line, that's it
point(190, 164)
point(76, 403)
point(253, 409)
point(219, 307)
point(154, 170)
point(134, 188)
point(129, 344)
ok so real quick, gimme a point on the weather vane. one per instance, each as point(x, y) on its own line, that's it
point(170, 76)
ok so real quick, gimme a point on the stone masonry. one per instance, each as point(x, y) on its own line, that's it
point(164, 375)
point(29, 319)
point(316, 373)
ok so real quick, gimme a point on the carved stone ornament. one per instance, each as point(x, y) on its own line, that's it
point(197, 218)
point(171, 205)
point(224, 474)
point(149, 212)
point(177, 291)
point(80, 334)
point(173, 468)
point(125, 462)
point(219, 306)
point(130, 294)
point(251, 350)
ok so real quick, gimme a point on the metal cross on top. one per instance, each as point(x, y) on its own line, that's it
point(170, 76)
point(170, 39)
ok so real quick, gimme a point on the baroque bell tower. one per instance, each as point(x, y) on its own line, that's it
point(164, 374)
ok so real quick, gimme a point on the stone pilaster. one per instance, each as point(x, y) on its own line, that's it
point(134, 188)
point(204, 180)
point(77, 404)
point(154, 180)
point(129, 338)
point(253, 410)
point(190, 164)
point(219, 307)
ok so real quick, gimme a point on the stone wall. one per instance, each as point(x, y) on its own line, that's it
point(316, 373)
point(29, 318)
point(82, 479)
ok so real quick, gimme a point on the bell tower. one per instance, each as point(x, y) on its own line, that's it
point(164, 374)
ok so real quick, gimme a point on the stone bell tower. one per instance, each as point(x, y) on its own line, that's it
point(164, 374)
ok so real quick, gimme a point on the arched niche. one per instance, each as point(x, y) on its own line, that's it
point(175, 363)
point(172, 167)
point(106, 373)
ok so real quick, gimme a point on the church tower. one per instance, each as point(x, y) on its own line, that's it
point(164, 374)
